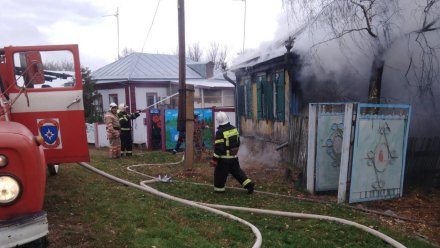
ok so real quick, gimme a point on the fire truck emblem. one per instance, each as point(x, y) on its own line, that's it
point(49, 129)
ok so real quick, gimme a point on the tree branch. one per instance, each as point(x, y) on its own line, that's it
point(367, 18)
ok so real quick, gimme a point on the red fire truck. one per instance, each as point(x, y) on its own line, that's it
point(41, 126)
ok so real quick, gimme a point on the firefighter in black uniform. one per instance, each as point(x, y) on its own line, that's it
point(225, 158)
point(126, 136)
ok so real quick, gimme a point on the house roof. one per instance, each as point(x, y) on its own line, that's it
point(143, 67)
point(270, 50)
point(217, 81)
point(159, 67)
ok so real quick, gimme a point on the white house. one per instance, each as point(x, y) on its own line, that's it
point(140, 80)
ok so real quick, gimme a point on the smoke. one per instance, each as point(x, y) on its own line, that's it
point(250, 154)
point(340, 69)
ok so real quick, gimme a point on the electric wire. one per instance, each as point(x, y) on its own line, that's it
point(151, 26)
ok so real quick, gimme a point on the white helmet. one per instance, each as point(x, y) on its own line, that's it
point(122, 107)
point(113, 105)
point(221, 118)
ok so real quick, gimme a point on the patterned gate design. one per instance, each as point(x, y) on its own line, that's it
point(330, 126)
point(379, 152)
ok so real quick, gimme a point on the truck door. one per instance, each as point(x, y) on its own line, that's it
point(45, 92)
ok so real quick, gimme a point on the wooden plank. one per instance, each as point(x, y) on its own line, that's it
point(311, 148)
point(345, 153)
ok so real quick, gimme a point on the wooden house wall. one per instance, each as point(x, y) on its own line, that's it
point(274, 131)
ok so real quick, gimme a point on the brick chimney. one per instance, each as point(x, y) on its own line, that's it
point(210, 69)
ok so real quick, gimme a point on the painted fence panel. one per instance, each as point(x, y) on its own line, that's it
point(205, 117)
point(379, 152)
point(330, 127)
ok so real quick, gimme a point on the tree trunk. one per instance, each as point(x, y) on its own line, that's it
point(375, 80)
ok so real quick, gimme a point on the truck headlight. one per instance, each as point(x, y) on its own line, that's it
point(3, 160)
point(9, 189)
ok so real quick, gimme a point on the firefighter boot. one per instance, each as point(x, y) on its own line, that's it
point(250, 187)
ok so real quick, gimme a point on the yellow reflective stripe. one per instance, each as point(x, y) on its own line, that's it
point(246, 182)
point(226, 156)
point(219, 189)
point(216, 156)
point(228, 134)
point(219, 141)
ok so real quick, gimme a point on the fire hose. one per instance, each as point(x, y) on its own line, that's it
point(214, 209)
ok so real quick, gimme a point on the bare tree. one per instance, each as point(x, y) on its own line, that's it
point(218, 55)
point(213, 52)
point(127, 51)
point(374, 25)
point(222, 56)
point(194, 52)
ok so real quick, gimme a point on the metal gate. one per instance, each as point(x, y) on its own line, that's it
point(326, 132)
point(379, 152)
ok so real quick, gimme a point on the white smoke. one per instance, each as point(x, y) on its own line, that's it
point(340, 69)
point(251, 156)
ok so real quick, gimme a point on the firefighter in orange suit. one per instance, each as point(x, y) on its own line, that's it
point(113, 131)
point(225, 158)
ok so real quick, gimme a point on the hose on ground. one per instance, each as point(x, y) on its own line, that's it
point(144, 187)
point(365, 210)
point(214, 209)
point(378, 234)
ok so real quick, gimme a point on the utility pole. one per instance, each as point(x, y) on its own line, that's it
point(117, 26)
point(244, 24)
point(185, 118)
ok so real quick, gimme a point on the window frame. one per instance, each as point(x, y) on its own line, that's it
point(99, 106)
point(248, 97)
point(155, 98)
point(281, 99)
point(113, 96)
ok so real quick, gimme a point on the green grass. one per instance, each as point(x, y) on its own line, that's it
point(87, 210)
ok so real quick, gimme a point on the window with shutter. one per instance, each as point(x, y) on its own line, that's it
point(260, 97)
point(248, 92)
point(273, 81)
point(268, 98)
point(280, 95)
point(241, 101)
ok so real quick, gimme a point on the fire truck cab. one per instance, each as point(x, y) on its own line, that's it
point(41, 124)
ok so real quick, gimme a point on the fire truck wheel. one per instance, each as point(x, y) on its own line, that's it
point(53, 169)
point(39, 243)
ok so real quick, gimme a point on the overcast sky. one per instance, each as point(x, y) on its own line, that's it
point(83, 22)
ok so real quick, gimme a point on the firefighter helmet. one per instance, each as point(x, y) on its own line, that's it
point(221, 118)
point(113, 105)
point(122, 107)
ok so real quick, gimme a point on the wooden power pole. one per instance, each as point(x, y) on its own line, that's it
point(185, 118)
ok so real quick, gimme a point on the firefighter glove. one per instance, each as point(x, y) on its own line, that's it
point(213, 163)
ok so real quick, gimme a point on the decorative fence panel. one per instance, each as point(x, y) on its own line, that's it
point(330, 128)
point(379, 152)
